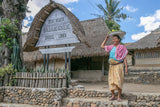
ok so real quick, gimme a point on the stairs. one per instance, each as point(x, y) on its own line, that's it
point(16, 105)
point(127, 78)
point(93, 98)
point(93, 102)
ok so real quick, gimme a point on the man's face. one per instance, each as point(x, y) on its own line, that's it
point(115, 40)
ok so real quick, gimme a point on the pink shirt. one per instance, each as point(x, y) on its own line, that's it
point(121, 51)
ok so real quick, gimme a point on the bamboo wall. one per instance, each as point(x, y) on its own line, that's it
point(53, 64)
point(147, 57)
point(41, 80)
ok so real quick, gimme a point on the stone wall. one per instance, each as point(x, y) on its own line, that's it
point(144, 78)
point(142, 68)
point(33, 96)
point(81, 98)
point(76, 98)
point(1, 94)
point(87, 75)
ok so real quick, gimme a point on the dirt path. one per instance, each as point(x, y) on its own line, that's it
point(127, 87)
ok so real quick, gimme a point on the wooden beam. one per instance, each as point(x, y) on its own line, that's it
point(38, 29)
point(39, 77)
point(69, 64)
point(56, 50)
point(46, 12)
point(47, 60)
point(44, 61)
point(65, 58)
point(41, 20)
point(103, 65)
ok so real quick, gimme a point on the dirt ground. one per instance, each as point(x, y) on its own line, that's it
point(127, 87)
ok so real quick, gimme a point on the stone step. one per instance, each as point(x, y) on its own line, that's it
point(93, 102)
point(90, 93)
point(16, 105)
point(131, 78)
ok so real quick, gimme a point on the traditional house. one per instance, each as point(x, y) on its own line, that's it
point(88, 60)
point(146, 52)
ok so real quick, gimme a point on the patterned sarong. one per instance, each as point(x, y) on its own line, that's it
point(115, 75)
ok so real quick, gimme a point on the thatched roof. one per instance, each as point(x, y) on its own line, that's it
point(158, 42)
point(127, 44)
point(147, 42)
point(95, 31)
point(34, 31)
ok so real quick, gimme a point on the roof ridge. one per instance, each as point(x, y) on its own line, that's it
point(94, 19)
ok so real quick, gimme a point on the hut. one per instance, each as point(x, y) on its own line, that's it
point(88, 60)
point(158, 42)
point(146, 52)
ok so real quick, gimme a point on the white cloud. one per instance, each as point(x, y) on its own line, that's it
point(149, 23)
point(25, 22)
point(130, 8)
point(139, 35)
point(65, 1)
point(152, 22)
point(70, 9)
point(25, 29)
point(36, 5)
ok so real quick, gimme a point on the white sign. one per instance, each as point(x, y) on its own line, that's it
point(57, 50)
point(56, 30)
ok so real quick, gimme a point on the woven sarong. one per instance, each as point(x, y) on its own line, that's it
point(115, 75)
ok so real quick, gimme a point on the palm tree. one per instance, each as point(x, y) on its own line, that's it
point(112, 14)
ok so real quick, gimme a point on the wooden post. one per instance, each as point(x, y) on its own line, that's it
point(65, 58)
point(44, 61)
point(54, 64)
point(103, 65)
point(69, 65)
point(47, 60)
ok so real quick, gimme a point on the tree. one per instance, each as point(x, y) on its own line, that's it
point(8, 34)
point(14, 10)
point(112, 14)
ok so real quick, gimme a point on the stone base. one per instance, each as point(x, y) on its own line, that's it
point(76, 98)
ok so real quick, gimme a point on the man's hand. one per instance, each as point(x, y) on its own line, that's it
point(105, 40)
point(126, 70)
point(107, 36)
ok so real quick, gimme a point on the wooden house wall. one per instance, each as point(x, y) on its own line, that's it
point(147, 57)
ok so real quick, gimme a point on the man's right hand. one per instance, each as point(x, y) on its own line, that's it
point(107, 36)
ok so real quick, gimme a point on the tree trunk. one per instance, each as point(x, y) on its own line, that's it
point(7, 56)
point(12, 9)
point(1, 57)
point(6, 80)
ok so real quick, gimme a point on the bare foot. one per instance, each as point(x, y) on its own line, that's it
point(112, 98)
point(119, 99)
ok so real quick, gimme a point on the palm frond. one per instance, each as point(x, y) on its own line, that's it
point(97, 15)
point(115, 6)
point(122, 15)
point(102, 8)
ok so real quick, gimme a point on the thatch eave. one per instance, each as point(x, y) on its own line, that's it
point(158, 42)
point(148, 42)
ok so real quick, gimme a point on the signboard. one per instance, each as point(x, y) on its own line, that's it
point(56, 30)
point(56, 50)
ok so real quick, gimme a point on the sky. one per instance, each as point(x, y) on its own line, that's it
point(145, 14)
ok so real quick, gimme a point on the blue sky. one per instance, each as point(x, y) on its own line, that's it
point(145, 14)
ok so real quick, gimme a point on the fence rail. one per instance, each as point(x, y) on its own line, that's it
point(41, 80)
